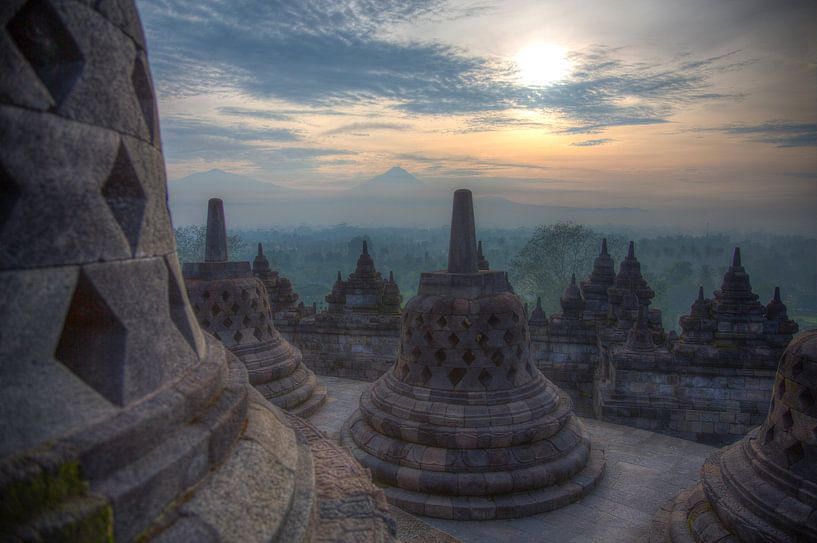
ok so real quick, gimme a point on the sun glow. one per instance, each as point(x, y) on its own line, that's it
point(542, 64)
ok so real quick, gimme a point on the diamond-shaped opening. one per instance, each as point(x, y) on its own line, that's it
point(416, 353)
point(512, 374)
point(429, 338)
point(206, 295)
point(806, 399)
point(402, 371)
point(205, 323)
point(787, 420)
point(262, 317)
point(469, 356)
point(797, 369)
point(49, 48)
point(9, 194)
point(453, 339)
point(245, 295)
point(227, 322)
point(795, 453)
point(144, 95)
point(441, 322)
point(769, 437)
point(123, 192)
point(440, 356)
point(216, 309)
point(258, 333)
point(482, 340)
point(456, 375)
point(493, 320)
point(497, 358)
point(225, 295)
point(466, 324)
point(92, 343)
point(485, 379)
point(246, 321)
point(408, 333)
point(519, 352)
point(425, 375)
point(781, 388)
point(419, 320)
point(515, 318)
point(508, 337)
point(238, 336)
point(528, 368)
point(254, 304)
point(235, 308)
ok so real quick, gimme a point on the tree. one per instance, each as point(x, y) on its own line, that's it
point(554, 252)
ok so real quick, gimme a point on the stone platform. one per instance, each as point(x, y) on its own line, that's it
point(644, 471)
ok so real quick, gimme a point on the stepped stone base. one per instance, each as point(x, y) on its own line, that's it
point(499, 506)
point(312, 405)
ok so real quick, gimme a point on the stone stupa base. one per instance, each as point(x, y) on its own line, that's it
point(481, 507)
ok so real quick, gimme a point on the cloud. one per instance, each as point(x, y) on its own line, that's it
point(321, 54)
point(357, 128)
point(778, 133)
point(254, 113)
point(182, 126)
point(592, 143)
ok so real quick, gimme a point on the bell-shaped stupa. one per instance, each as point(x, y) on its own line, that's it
point(232, 304)
point(119, 419)
point(764, 487)
point(464, 425)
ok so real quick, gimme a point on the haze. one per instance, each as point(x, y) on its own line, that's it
point(691, 113)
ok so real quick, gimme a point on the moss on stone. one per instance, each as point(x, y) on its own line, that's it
point(27, 489)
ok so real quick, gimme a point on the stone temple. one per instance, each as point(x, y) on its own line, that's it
point(464, 426)
point(608, 349)
point(764, 487)
point(230, 303)
point(121, 419)
point(359, 333)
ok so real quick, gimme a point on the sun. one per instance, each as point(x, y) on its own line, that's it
point(542, 64)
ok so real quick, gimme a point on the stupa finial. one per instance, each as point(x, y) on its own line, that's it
point(216, 243)
point(736, 258)
point(631, 250)
point(604, 247)
point(462, 245)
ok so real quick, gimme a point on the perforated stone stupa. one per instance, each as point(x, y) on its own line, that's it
point(119, 419)
point(464, 426)
point(232, 304)
point(764, 487)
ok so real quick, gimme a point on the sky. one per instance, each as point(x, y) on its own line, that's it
point(687, 104)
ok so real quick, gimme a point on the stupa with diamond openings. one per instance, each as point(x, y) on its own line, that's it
point(464, 426)
point(232, 304)
point(119, 419)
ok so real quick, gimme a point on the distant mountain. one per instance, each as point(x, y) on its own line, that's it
point(220, 184)
point(395, 179)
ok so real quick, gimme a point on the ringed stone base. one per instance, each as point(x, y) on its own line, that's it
point(496, 507)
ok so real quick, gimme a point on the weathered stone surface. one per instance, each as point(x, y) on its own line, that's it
point(119, 419)
point(763, 488)
point(464, 426)
point(233, 305)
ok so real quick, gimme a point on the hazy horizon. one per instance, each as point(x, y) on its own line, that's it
point(693, 111)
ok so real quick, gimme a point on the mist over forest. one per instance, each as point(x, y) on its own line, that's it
point(674, 265)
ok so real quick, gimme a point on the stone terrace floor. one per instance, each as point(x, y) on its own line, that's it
point(644, 470)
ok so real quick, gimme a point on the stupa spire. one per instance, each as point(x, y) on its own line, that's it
point(736, 258)
point(462, 245)
point(631, 251)
point(365, 247)
point(604, 247)
point(216, 242)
